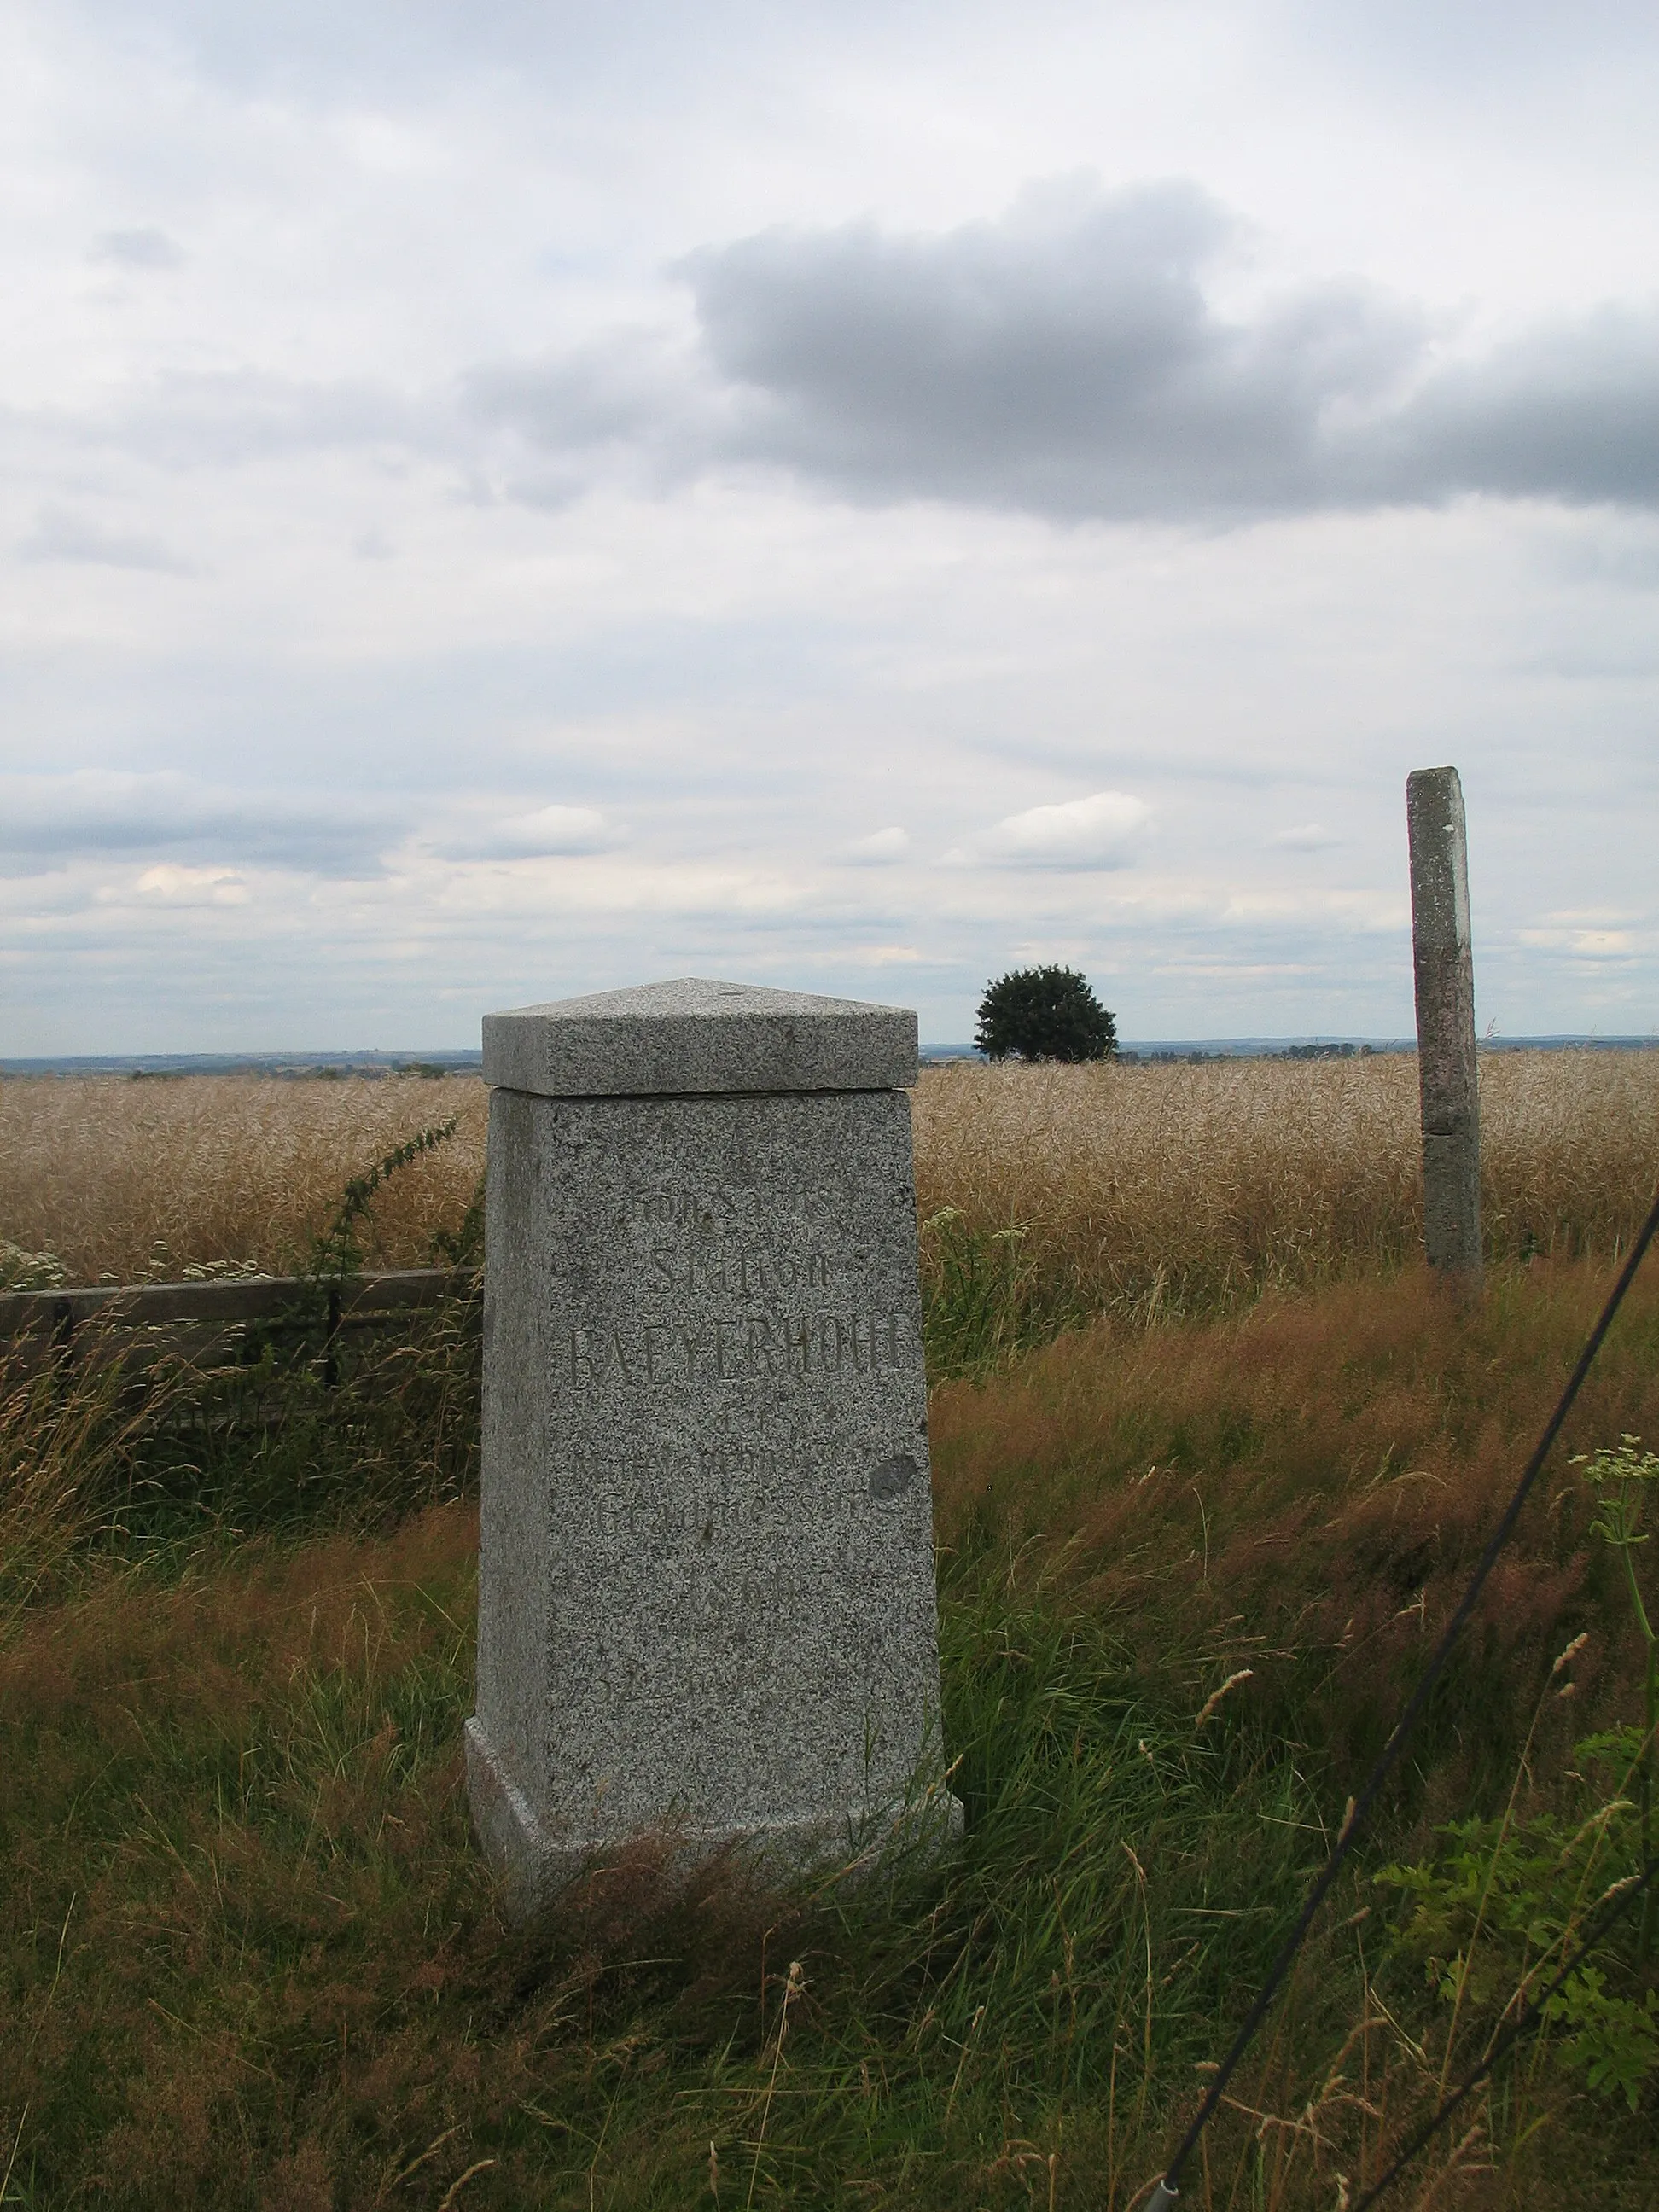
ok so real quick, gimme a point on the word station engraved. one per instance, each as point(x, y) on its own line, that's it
point(742, 1272)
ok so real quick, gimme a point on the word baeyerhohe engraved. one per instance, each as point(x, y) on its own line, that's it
point(705, 1606)
point(741, 1347)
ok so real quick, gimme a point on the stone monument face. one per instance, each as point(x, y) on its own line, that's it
point(706, 1598)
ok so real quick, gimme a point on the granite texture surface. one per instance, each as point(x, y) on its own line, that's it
point(698, 1036)
point(706, 1594)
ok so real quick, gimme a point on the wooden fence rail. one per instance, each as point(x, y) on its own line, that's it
point(191, 1316)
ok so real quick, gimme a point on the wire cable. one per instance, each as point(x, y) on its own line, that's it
point(1362, 1806)
point(1613, 1910)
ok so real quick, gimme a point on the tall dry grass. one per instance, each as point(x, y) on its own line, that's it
point(253, 1963)
point(1137, 1190)
point(122, 1179)
point(1131, 1190)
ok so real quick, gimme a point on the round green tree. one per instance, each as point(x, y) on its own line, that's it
point(1044, 1013)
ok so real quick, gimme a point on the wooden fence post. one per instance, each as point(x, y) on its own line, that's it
point(1444, 968)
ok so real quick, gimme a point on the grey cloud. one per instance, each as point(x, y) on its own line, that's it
point(60, 535)
point(139, 249)
point(46, 820)
point(1067, 360)
point(599, 395)
point(633, 402)
point(1569, 413)
point(1064, 360)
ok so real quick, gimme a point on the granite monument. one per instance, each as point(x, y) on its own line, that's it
point(706, 1597)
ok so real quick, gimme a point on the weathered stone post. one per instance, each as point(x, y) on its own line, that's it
point(1443, 966)
point(706, 1597)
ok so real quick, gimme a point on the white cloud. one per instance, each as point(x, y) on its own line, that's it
point(594, 886)
point(887, 956)
point(1305, 837)
point(556, 829)
point(881, 848)
point(1587, 943)
point(193, 886)
point(542, 833)
point(1604, 943)
point(1100, 831)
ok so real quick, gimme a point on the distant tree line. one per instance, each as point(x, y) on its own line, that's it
point(1281, 1052)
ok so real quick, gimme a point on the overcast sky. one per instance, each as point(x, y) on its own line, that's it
point(503, 499)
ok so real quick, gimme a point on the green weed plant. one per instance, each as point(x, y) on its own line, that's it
point(1497, 1909)
point(1623, 1477)
point(984, 1301)
point(336, 1253)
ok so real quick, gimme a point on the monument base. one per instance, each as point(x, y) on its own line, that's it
point(533, 1865)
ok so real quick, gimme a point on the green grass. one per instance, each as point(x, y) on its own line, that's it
point(249, 1927)
point(250, 1958)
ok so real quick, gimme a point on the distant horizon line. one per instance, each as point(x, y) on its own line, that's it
point(461, 1059)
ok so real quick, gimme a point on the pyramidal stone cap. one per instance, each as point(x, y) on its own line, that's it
point(694, 1036)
